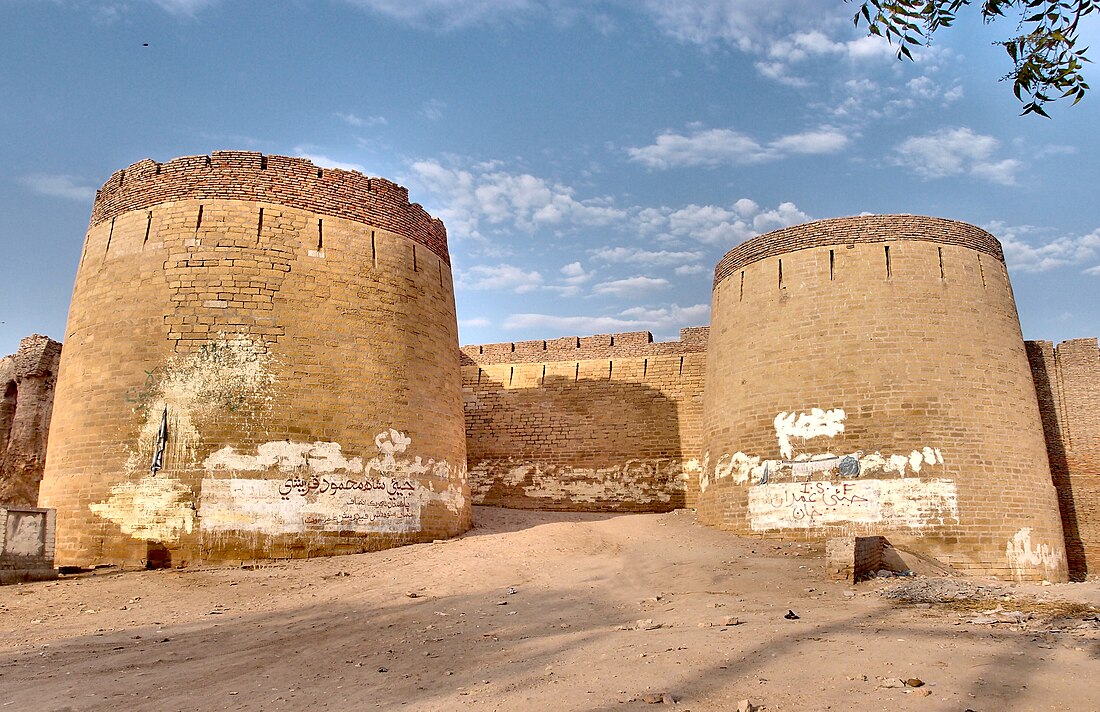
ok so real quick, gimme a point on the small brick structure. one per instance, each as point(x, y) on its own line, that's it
point(27, 544)
point(854, 558)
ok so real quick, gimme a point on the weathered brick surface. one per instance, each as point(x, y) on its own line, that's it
point(600, 423)
point(1067, 382)
point(220, 291)
point(853, 558)
point(279, 180)
point(27, 379)
point(921, 347)
point(856, 230)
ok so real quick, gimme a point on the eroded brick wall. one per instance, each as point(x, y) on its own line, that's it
point(1067, 382)
point(598, 423)
point(261, 360)
point(892, 341)
point(27, 380)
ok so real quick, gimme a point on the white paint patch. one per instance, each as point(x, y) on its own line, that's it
point(384, 495)
point(153, 508)
point(228, 374)
point(739, 466)
point(1024, 557)
point(318, 457)
point(817, 423)
point(897, 503)
point(24, 535)
point(636, 481)
point(279, 507)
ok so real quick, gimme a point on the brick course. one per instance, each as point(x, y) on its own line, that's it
point(221, 290)
point(1067, 382)
point(280, 180)
point(609, 422)
point(914, 333)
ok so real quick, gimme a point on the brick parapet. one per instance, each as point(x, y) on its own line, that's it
point(853, 230)
point(581, 348)
point(283, 180)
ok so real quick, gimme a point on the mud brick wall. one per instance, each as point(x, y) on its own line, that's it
point(261, 360)
point(27, 379)
point(598, 423)
point(853, 558)
point(892, 340)
point(1067, 382)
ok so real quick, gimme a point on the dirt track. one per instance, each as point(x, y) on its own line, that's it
point(434, 627)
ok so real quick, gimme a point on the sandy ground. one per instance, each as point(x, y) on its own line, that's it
point(541, 611)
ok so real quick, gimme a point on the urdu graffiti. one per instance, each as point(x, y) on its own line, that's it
point(326, 491)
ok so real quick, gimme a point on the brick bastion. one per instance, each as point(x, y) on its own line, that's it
point(867, 376)
point(261, 360)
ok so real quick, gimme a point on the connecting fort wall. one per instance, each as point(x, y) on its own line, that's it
point(1067, 380)
point(599, 423)
point(888, 349)
point(27, 378)
point(261, 361)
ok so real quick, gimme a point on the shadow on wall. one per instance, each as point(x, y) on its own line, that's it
point(578, 444)
point(1059, 463)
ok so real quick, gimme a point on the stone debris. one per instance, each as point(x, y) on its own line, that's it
point(641, 624)
point(940, 590)
point(746, 706)
point(791, 616)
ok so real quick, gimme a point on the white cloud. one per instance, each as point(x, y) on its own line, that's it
point(653, 258)
point(324, 161)
point(448, 15)
point(186, 8)
point(433, 110)
point(713, 147)
point(59, 186)
point(1032, 249)
point(574, 274)
point(500, 277)
point(475, 322)
point(713, 224)
point(958, 151)
point(823, 140)
point(685, 270)
point(710, 147)
point(666, 320)
point(360, 121)
point(749, 25)
point(471, 200)
point(631, 286)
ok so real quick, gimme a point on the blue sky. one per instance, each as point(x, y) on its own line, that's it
point(592, 160)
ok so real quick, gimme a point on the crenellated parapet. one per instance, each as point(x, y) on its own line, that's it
point(860, 229)
point(283, 180)
point(628, 344)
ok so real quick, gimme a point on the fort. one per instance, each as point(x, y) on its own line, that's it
point(281, 377)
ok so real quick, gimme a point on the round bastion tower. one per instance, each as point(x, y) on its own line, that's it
point(261, 361)
point(867, 376)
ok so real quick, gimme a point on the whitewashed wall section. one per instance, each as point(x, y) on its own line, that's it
point(325, 491)
point(229, 373)
point(641, 481)
point(789, 493)
point(906, 502)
